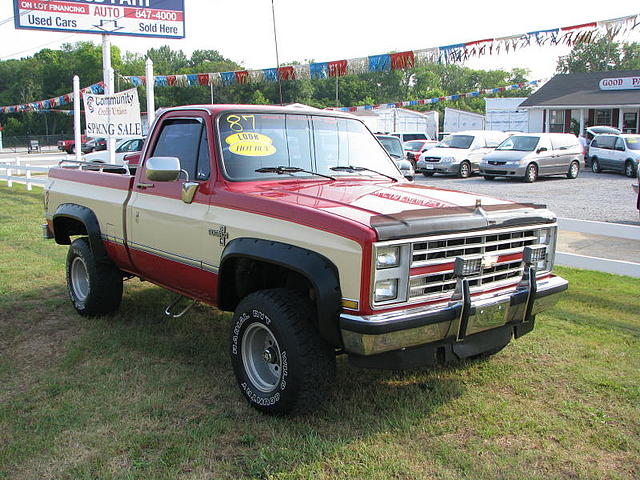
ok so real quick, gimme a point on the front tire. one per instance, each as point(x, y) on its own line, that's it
point(280, 361)
point(428, 174)
point(95, 288)
point(464, 171)
point(574, 169)
point(489, 177)
point(595, 166)
point(629, 169)
point(531, 175)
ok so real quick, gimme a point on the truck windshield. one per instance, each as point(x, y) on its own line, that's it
point(520, 144)
point(456, 141)
point(316, 143)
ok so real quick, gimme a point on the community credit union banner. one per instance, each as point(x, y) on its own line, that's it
point(113, 115)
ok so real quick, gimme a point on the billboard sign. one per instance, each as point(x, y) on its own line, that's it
point(116, 116)
point(620, 83)
point(145, 18)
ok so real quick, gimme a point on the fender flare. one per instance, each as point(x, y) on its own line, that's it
point(319, 270)
point(87, 218)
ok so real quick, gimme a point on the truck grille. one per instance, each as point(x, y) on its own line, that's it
point(431, 159)
point(431, 276)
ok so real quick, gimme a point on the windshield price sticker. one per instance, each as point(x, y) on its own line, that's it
point(250, 144)
point(147, 18)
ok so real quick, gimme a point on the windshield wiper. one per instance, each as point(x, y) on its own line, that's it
point(351, 168)
point(282, 170)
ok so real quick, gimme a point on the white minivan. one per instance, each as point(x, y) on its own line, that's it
point(619, 153)
point(459, 153)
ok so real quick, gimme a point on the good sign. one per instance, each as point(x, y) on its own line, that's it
point(620, 83)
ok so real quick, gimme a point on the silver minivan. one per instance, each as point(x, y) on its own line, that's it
point(459, 153)
point(532, 155)
point(619, 153)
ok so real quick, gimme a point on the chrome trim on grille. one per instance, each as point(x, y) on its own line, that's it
point(443, 249)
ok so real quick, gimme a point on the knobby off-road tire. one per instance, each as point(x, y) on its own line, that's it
point(95, 288)
point(280, 362)
point(574, 170)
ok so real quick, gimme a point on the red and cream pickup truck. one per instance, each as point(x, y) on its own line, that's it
point(299, 222)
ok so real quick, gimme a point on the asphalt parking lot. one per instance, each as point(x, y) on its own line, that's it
point(604, 197)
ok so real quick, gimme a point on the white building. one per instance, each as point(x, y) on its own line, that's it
point(458, 120)
point(400, 120)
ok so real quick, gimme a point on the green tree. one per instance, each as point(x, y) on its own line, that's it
point(600, 55)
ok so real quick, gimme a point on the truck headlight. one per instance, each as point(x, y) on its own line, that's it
point(390, 273)
point(386, 289)
point(387, 257)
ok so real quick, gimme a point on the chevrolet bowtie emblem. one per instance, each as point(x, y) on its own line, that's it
point(489, 261)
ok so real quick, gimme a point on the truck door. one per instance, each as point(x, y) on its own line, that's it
point(166, 235)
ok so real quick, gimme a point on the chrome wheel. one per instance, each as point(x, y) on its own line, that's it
point(574, 169)
point(465, 170)
point(531, 174)
point(628, 170)
point(261, 357)
point(79, 279)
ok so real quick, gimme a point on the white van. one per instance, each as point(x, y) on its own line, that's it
point(618, 153)
point(408, 136)
point(460, 153)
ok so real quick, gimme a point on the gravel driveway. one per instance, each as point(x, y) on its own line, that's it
point(605, 197)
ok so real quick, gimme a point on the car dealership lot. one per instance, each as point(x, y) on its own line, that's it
point(605, 197)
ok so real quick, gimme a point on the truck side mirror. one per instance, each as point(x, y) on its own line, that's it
point(541, 149)
point(163, 169)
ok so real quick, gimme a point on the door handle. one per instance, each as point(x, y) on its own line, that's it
point(144, 185)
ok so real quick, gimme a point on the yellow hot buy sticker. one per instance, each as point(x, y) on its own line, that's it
point(250, 144)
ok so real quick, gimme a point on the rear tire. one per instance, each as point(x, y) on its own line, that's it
point(595, 166)
point(280, 361)
point(464, 171)
point(629, 169)
point(531, 175)
point(95, 288)
point(574, 170)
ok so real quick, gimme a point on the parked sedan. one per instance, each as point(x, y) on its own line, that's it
point(414, 148)
point(123, 147)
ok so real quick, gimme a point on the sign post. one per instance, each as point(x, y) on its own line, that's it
point(76, 117)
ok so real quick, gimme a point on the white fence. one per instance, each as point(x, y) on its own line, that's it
point(21, 169)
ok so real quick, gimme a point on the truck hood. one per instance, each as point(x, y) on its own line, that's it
point(399, 210)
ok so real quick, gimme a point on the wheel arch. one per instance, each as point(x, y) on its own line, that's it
point(320, 273)
point(72, 219)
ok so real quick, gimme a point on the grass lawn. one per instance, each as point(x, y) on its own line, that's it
point(138, 395)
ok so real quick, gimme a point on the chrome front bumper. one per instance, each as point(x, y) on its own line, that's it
point(455, 321)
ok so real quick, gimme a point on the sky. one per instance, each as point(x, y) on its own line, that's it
point(242, 30)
